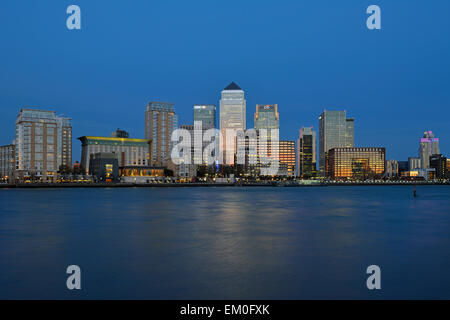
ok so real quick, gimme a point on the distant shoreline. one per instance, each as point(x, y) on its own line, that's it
point(199, 184)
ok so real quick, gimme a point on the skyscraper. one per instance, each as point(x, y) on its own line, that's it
point(267, 117)
point(206, 114)
point(160, 122)
point(232, 118)
point(287, 158)
point(429, 145)
point(43, 144)
point(306, 152)
point(335, 131)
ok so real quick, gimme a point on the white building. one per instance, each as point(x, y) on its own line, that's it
point(232, 118)
point(43, 144)
point(429, 145)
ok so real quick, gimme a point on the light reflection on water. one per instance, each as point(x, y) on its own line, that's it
point(225, 243)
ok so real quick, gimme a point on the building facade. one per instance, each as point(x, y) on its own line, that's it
point(414, 163)
point(205, 118)
point(356, 163)
point(392, 169)
point(307, 153)
point(43, 144)
point(267, 116)
point(232, 119)
point(160, 122)
point(335, 131)
point(104, 166)
point(428, 146)
point(7, 163)
point(130, 152)
point(439, 163)
point(206, 115)
point(267, 125)
point(286, 153)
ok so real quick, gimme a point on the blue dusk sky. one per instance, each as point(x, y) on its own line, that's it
point(306, 56)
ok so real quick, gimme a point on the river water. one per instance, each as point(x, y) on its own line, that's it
point(225, 242)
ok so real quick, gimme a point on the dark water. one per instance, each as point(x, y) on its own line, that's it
point(225, 243)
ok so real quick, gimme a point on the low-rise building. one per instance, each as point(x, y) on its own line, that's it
point(130, 152)
point(104, 166)
point(356, 163)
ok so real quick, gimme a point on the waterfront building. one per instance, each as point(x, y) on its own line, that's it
point(356, 163)
point(428, 146)
point(43, 144)
point(439, 163)
point(420, 174)
point(7, 163)
point(392, 169)
point(232, 119)
point(104, 166)
point(414, 163)
point(402, 167)
point(130, 152)
point(335, 131)
point(160, 122)
point(306, 152)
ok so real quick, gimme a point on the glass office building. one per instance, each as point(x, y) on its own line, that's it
point(206, 114)
point(356, 163)
point(335, 131)
point(306, 152)
point(267, 117)
point(232, 119)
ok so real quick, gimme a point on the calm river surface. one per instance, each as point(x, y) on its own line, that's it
point(225, 242)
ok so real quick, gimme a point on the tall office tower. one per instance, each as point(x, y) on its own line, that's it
point(160, 122)
point(287, 158)
point(267, 116)
point(307, 152)
point(43, 144)
point(206, 114)
point(7, 163)
point(232, 118)
point(333, 126)
point(429, 145)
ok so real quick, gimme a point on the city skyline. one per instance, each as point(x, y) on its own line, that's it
point(105, 71)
